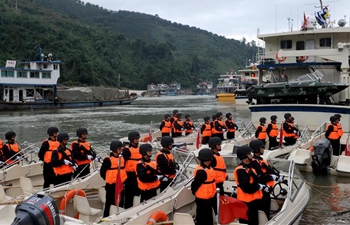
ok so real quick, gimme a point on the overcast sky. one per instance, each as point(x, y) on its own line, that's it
point(231, 18)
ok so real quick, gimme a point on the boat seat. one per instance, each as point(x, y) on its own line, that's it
point(274, 208)
point(26, 185)
point(301, 156)
point(262, 218)
point(102, 194)
point(3, 196)
point(86, 213)
point(183, 218)
point(343, 164)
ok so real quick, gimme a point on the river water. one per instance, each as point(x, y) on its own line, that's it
point(330, 193)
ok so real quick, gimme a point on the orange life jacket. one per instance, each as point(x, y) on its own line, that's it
point(215, 131)
point(170, 158)
point(231, 122)
point(112, 172)
point(340, 130)
point(334, 135)
point(261, 162)
point(262, 135)
point(53, 145)
point(63, 169)
point(220, 169)
point(2, 157)
point(241, 195)
point(180, 123)
point(190, 124)
point(274, 130)
point(85, 148)
point(130, 165)
point(167, 127)
point(212, 125)
point(172, 124)
point(207, 130)
point(149, 185)
point(15, 148)
point(208, 189)
point(290, 127)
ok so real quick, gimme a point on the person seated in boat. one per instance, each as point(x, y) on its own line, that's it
point(340, 132)
point(249, 190)
point(131, 156)
point(219, 127)
point(166, 162)
point(165, 126)
point(45, 155)
point(112, 167)
point(62, 161)
point(332, 134)
point(11, 150)
point(218, 163)
point(206, 130)
point(272, 132)
point(290, 132)
point(83, 153)
point(188, 125)
point(172, 120)
point(231, 126)
point(260, 132)
point(204, 189)
point(266, 174)
point(178, 126)
point(283, 78)
point(148, 178)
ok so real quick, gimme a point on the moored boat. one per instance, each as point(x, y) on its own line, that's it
point(205, 88)
point(227, 85)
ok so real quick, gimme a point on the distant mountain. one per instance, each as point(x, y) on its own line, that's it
point(97, 45)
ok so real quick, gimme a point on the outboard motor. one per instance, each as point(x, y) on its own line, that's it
point(37, 210)
point(322, 157)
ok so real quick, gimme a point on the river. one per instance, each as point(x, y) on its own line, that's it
point(330, 193)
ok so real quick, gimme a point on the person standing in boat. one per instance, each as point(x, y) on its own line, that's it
point(2, 157)
point(219, 127)
point(231, 126)
point(111, 166)
point(218, 163)
point(260, 132)
point(204, 188)
point(332, 134)
point(62, 161)
point(290, 132)
point(206, 130)
point(249, 190)
point(83, 153)
point(340, 131)
point(212, 123)
point(165, 162)
point(148, 179)
point(131, 156)
point(188, 125)
point(172, 120)
point(45, 155)
point(165, 126)
point(178, 126)
point(11, 150)
point(272, 132)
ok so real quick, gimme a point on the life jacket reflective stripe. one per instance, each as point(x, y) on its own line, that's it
point(167, 127)
point(208, 188)
point(15, 148)
point(83, 147)
point(53, 145)
point(290, 127)
point(180, 123)
point(220, 169)
point(112, 172)
point(170, 158)
point(215, 131)
point(340, 130)
point(149, 185)
point(130, 165)
point(231, 122)
point(262, 135)
point(274, 130)
point(334, 135)
point(241, 195)
point(263, 164)
point(189, 124)
point(207, 130)
point(64, 169)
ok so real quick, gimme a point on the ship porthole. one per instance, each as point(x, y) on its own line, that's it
point(287, 87)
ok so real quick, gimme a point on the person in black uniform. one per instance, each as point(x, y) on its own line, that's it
point(332, 134)
point(172, 119)
point(231, 126)
point(260, 132)
point(165, 126)
point(289, 130)
point(206, 130)
point(272, 132)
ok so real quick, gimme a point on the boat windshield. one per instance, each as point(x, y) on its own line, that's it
point(315, 76)
point(187, 161)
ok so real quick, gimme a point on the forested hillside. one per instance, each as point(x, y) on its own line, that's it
point(97, 45)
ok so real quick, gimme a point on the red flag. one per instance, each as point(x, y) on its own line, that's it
point(150, 132)
point(347, 149)
point(231, 209)
point(198, 140)
point(118, 189)
point(281, 135)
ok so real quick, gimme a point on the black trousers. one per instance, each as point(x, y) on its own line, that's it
point(148, 194)
point(110, 198)
point(272, 142)
point(48, 175)
point(335, 146)
point(164, 184)
point(204, 214)
point(165, 134)
point(221, 136)
point(84, 169)
point(205, 140)
point(266, 204)
point(60, 179)
point(263, 140)
point(290, 141)
point(230, 135)
point(252, 213)
point(131, 189)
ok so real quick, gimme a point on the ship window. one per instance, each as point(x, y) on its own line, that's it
point(7, 73)
point(46, 75)
point(286, 44)
point(325, 42)
point(55, 67)
point(34, 74)
point(30, 92)
point(300, 45)
point(45, 66)
point(22, 74)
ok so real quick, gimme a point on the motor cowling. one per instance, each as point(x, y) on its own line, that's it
point(38, 209)
point(322, 157)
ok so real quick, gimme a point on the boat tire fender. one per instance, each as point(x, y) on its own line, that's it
point(67, 197)
point(156, 217)
point(287, 87)
point(252, 89)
